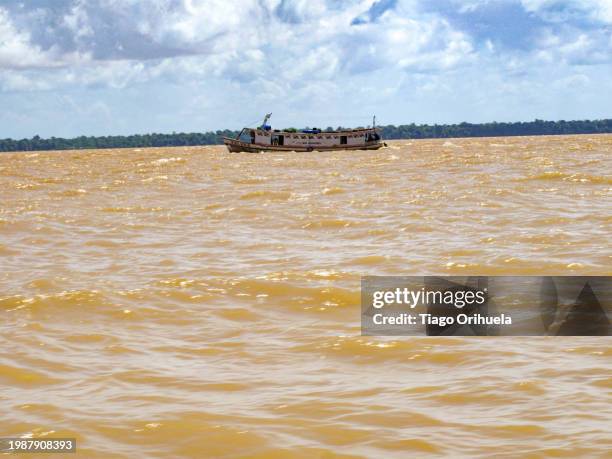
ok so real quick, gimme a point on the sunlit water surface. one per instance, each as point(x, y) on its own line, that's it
point(189, 302)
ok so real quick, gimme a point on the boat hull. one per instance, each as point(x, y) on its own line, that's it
point(236, 146)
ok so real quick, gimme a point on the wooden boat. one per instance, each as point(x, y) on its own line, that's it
point(264, 138)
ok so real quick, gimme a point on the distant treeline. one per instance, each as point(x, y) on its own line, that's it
point(537, 127)
point(406, 131)
point(116, 141)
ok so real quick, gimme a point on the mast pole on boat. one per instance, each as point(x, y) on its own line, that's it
point(266, 118)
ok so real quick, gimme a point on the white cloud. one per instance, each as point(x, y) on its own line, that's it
point(598, 10)
point(293, 42)
point(574, 47)
point(16, 51)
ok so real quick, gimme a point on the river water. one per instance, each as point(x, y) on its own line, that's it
point(189, 302)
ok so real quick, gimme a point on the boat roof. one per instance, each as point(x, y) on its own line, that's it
point(313, 131)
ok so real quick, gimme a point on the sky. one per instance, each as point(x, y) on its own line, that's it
point(109, 67)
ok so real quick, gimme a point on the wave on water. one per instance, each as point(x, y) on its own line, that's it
point(163, 161)
point(571, 177)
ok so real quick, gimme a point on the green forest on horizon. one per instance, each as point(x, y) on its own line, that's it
point(389, 132)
